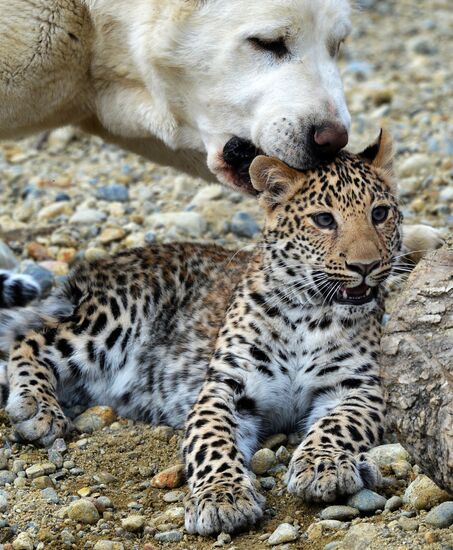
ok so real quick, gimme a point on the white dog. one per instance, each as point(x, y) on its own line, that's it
point(190, 83)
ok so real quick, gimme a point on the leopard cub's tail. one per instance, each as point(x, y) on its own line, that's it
point(18, 321)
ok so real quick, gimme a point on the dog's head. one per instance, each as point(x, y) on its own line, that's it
point(261, 77)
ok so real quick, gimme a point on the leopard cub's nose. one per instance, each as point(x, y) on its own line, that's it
point(363, 268)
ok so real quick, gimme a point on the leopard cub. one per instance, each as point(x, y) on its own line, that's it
point(233, 346)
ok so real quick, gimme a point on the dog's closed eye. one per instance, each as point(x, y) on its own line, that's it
point(275, 46)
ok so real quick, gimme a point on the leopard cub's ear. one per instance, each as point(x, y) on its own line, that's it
point(272, 178)
point(380, 153)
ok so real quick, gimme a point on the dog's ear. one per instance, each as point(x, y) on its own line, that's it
point(380, 153)
point(272, 178)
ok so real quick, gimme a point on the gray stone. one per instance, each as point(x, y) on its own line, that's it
point(174, 496)
point(285, 532)
point(267, 483)
point(41, 469)
point(367, 501)
point(359, 537)
point(262, 461)
point(3, 502)
point(50, 495)
point(83, 511)
point(7, 258)
point(190, 224)
point(169, 536)
point(440, 516)
point(386, 455)
point(423, 493)
point(342, 513)
point(115, 192)
point(104, 503)
point(133, 523)
point(408, 524)
point(150, 237)
point(88, 216)
point(44, 277)
point(244, 225)
point(108, 545)
point(55, 457)
point(393, 503)
point(7, 477)
point(23, 541)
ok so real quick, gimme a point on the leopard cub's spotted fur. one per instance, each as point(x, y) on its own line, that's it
point(235, 346)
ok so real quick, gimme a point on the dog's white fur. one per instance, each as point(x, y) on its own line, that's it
point(174, 80)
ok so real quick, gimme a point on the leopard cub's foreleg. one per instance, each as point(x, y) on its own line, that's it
point(332, 461)
point(218, 443)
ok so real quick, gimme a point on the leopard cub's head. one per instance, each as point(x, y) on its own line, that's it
point(333, 231)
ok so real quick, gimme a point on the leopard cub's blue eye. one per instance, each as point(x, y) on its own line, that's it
point(324, 220)
point(380, 214)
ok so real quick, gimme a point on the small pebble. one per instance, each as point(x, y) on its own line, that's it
point(23, 541)
point(285, 532)
point(170, 478)
point(114, 192)
point(83, 511)
point(367, 502)
point(440, 516)
point(393, 503)
point(94, 419)
point(108, 545)
point(133, 523)
point(343, 513)
point(168, 536)
point(262, 461)
point(174, 496)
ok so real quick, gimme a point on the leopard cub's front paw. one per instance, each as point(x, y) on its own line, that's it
point(323, 476)
point(35, 420)
point(223, 507)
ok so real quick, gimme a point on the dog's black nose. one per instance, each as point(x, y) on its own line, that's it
point(238, 151)
point(328, 139)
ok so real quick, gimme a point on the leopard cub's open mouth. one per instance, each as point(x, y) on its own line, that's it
point(357, 295)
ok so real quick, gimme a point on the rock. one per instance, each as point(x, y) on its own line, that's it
point(416, 366)
point(402, 469)
point(408, 524)
point(94, 419)
point(133, 523)
point(106, 478)
point(54, 210)
point(3, 459)
point(446, 194)
point(440, 516)
point(103, 503)
point(42, 469)
point(6, 477)
point(58, 140)
point(111, 234)
point(108, 545)
point(115, 192)
point(7, 259)
point(92, 254)
point(23, 541)
point(332, 524)
point(56, 267)
point(285, 532)
point(283, 455)
point(359, 537)
point(243, 225)
point(367, 502)
point(190, 224)
point(55, 458)
point(42, 482)
point(414, 165)
point(262, 461)
point(88, 216)
point(208, 193)
point(163, 433)
point(222, 540)
point(170, 478)
point(44, 277)
point(173, 515)
point(274, 441)
point(267, 483)
point(393, 503)
point(342, 513)
point(50, 495)
point(83, 511)
point(423, 494)
point(386, 455)
point(3, 502)
point(169, 536)
point(174, 496)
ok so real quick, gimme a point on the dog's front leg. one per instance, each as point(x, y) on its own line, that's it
point(218, 442)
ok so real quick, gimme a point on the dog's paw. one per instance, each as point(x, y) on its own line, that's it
point(36, 421)
point(324, 476)
point(420, 239)
point(223, 508)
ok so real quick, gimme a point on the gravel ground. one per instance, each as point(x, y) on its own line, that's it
point(67, 196)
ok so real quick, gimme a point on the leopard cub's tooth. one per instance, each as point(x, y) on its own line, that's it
point(368, 292)
point(345, 295)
